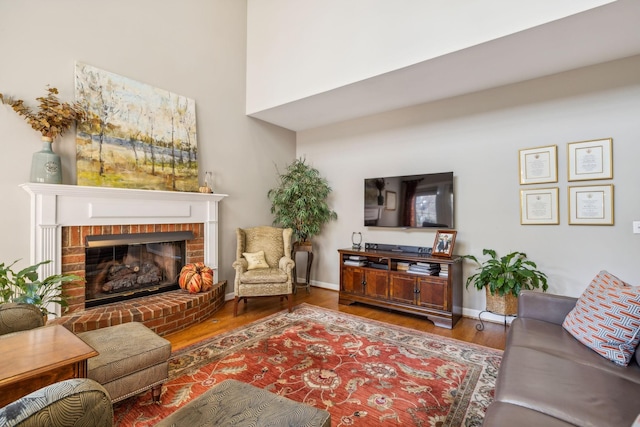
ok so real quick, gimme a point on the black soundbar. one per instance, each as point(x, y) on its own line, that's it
point(398, 248)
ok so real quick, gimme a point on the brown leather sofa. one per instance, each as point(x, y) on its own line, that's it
point(548, 378)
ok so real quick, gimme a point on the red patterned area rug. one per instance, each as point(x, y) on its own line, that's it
point(362, 371)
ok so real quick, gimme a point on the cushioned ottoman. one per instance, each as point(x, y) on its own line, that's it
point(233, 403)
point(132, 359)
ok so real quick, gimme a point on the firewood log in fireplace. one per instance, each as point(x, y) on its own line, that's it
point(149, 274)
point(122, 277)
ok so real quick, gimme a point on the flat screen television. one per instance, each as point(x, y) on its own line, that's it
point(410, 201)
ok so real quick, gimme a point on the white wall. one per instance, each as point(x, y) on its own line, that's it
point(302, 48)
point(478, 137)
point(195, 48)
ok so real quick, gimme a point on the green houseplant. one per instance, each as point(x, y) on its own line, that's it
point(300, 200)
point(505, 277)
point(25, 287)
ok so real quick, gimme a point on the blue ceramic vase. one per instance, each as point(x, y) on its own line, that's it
point(45, 164)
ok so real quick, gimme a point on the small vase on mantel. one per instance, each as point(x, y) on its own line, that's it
point(45, 164)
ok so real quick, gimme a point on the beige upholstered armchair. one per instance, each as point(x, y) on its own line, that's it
point(263, 264)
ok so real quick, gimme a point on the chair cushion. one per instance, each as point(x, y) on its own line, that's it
point(124, 349)
point(255, 260)
point(264, 275)
point(606, 318)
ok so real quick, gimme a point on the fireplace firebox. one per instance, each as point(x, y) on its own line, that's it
point(124, 266)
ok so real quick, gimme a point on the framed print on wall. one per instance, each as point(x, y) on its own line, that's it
point(135, 136)
point(444, 242)
point(591, 205)
point(539, 165)
point(590, 160)
point(539, 206)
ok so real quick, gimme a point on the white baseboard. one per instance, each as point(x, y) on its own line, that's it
point(466, 312)
point(324, 285)
point(486, 316)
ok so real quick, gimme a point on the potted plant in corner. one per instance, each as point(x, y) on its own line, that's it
point(24, 287)
point(52, 119)
point(503, 278)
point(300, 202)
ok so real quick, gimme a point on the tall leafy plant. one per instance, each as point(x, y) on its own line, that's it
point(25, 286)
point(300, 200)
point(506, 275)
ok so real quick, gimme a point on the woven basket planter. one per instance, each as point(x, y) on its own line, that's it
point(501, 304)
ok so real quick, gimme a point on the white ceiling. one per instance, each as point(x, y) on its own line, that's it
point(598, 35)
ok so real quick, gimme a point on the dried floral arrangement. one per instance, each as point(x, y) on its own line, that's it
point(53, 117)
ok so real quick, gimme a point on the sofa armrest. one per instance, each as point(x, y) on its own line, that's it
point(78, 401)
point(546, 307)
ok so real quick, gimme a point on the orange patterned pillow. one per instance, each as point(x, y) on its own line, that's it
point(606, 318)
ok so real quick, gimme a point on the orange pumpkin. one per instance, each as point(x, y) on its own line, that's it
point(196, 277)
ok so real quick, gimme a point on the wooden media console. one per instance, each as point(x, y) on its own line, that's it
point(382, 278)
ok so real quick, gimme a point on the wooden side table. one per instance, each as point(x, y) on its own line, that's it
point(308, 249)
point(39, 357)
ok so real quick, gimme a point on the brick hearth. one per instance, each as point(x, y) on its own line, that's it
point(73, 250)
point(163, 313)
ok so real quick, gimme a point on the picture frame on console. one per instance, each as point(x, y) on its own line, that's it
point(444, 242)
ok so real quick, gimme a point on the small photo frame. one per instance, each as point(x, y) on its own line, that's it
point(539, 206)
point(539, 165)
point(591, 205)
point(587, 160)
point(390, 197)
point(444, 243)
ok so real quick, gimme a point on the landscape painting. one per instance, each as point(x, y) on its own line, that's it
point(134, 135)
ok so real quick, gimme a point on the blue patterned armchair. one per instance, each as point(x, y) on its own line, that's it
point(70, 403)
point(15, 317)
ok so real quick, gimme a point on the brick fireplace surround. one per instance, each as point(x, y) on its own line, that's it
point(62, 216)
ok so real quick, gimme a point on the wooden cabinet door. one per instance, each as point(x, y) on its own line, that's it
point(353, 280)
point(432, 292)
point(377, 284)
point(402, 288)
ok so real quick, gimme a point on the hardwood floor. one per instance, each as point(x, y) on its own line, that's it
point(494, 335)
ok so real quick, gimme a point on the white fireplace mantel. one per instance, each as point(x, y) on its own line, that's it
point(54, 206)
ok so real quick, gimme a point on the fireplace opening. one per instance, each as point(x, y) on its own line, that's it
point(124, 266)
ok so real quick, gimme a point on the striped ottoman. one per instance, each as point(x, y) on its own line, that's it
point(132, 359)
point(233, 403)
